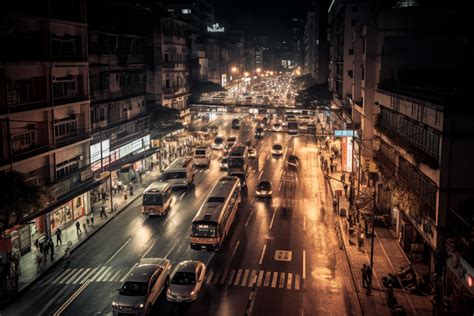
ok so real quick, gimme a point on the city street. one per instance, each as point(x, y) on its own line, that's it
point(281, 261)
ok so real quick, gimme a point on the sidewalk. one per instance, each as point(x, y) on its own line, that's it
point(388, 257)
point(29, 270)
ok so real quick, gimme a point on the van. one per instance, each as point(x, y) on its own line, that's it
point(202, 156)
point(157, 199)
point(180, 173)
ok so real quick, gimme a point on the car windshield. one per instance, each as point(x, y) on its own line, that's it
point(184, 278)
point(277, 146)
point(232, 139)
point(218, 140)
point(134, 289)
point(265, 185)
point(224, 160)
point(175, 175)
point(200, 152)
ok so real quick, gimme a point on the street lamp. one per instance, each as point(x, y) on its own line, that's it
point(258, 70)
point(233, 70)
point(246, 74)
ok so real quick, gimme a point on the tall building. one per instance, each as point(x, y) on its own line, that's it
point(310, 44)
point(297, 40)
point(45, 111)
point(321, 51)
point(197, 13)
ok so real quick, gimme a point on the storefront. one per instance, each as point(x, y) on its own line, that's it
point(68, 213)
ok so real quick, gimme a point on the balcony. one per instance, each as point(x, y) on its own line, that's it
point(26, 94)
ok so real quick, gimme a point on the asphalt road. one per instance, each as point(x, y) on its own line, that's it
point(276, 260)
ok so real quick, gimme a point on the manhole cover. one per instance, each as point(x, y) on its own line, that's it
point(282, 255)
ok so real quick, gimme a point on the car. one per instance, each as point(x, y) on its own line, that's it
point(202, 156)
point(223, 165)
point(252, 153)
point(218, 143)
point(293, 162)
point(186, 281)
point(231, 141)
point(277, 127)
point(259, 132)
point(277, 150)
point(142, 287)
point(264, 189)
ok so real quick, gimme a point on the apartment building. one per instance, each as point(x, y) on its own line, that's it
point(45, 111)
point(310, 43)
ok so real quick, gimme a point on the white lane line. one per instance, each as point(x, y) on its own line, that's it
point(237, 278)
point(244, 279)
point(304, 220)
point(282, 280)
point(273, 218)
point(260, 278)
point(148, 250)
point(71, 298)
point(61, 275)
point(275, 279)
point(102, 277)
point(260, 174)
point(263, 254)
point(224, 276)
point(80, 277)
point(288, 281)
point(235, 249)
point(171, 249)
point(115, 276)
point(209, 277)
point(231, 276)
point(116, 253)
point(248, 219)
point(253, 278)
point(128, 272)
point(73, 277)
point(304, 264)
point(297, 282)
point(268, 157)
point(268, 276)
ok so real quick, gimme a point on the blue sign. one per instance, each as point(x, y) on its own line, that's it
point(345, 133)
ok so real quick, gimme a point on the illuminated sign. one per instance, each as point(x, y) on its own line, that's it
point(215, 28)
point(96, 150)
point(347, 154)
point(345, 133)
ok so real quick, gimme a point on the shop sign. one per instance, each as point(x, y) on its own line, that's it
point(86, 175)
point(347, 154)
point(345, 133)
point(216, 28)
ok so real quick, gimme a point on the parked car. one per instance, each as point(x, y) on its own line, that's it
point(223, 165)
point(277, 150)
point(202, 156)
point(264, 189)
point(252, 153)
point(186, 281)
point(142, 287)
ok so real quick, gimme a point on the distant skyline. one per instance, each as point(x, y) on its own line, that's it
point(261, 17)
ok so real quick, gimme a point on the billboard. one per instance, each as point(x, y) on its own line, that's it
point(347, 154)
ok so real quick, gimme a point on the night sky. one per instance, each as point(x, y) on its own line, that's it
point(261, 17)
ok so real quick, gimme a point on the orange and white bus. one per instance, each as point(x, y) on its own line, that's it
point(157, 199)
point(212, 223)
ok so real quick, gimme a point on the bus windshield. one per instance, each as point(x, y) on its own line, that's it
point(175, 175)
point(204, 229)
point(152, 199)
point(235, 162)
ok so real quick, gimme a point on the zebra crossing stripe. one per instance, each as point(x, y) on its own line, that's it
point(224, 276)
point(61, 275)
point(107, 275)
point(297, 282)
point(231, 276)
point(79, 278)
point(244, 279)
point(288, 282)
point(216, 277)
point(237, 278)
point(104, 273)
point(99, 272)
point(282, 280)
point(260, 278)
point(116, 276)
point(253, 278)
point(72, 276)
point(89, 275)
point(274, 280)
point(209, 277)
point(268, 276)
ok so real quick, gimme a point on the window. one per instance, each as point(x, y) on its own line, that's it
point(65, 127)
point(351, 51)
point(186, 11)
point(24, 141)
point(354, 22)
point(362, 72)
point(64, 47)
point(64, 87)
point(167, 83)
point(67, 167)
point(350, 73)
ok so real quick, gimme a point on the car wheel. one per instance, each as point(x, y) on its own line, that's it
point(148, 309)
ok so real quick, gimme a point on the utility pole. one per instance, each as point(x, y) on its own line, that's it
point(372, 239)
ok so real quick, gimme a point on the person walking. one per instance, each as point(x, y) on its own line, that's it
point(102, 212)
point(46, 250)
point(58, 237)
point(345, 189)
point(51, 248)
point(364, 270)
point(92, 218)
point(78, 228)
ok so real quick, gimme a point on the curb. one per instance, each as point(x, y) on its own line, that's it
point(22, 291)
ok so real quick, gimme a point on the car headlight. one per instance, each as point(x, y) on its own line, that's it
point(139, 306)
point(192, 293)
point(115, 304)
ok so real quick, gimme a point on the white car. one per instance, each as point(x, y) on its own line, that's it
point(277, 150)
point(142, 287)
point(277, 127)
point(252, 153)
point(186, 281)
point(202, 156)
point(219, 143)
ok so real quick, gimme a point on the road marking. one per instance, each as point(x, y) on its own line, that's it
point(267, 279)
point(237, 278)
point(282, 280)
point(107, 275)
point(73, 276)
point(171, 249)
point(209, 277)
point(260, 174)
point(81, 276)
point(273, 218)
point(128, 272)
point(304, 264)
point(288, 282)
point(297, 282)
point(115, 276)
point(244, 279)
point(275, 279)
point(231, 276)
point(61, 276)
point(116, 253)
point(71, 298)
point(102, 277)
point(253, 278)
point(224, 276)
point(216, 277)
point(88, 275)
point(248, 219)
point(260, 278)
point(235, 249)
point(263, 253)
point(148, 250)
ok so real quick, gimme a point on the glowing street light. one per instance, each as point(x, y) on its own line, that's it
point(246, 74)
point(259, 70)
point(233, 69)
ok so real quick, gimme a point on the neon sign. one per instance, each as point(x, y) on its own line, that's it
point(216, 28)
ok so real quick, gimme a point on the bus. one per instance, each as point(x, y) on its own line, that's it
point(292, 127)
point(180, 173)
point(157, 199)
point(212, 222)
point(238, 160)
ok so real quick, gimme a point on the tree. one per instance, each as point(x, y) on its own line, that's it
point(18, 198)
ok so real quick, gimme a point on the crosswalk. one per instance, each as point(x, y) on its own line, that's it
point(250, 278)
point(81, 275)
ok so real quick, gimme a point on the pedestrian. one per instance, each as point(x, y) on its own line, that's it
point(361, 238)
point(364, 275)
point(102, 212)
point(369, 276)
point(46, 249)
point(92, 219)
point(58, 237)
point(131, 189)
point(51, 248)
point(332, 167)
point(366, 226)
point(87, 221)
point(39, 262)
point(331, 159)
point(345, 189)
point(343, 177)
point(41, 243)
point(78, 228)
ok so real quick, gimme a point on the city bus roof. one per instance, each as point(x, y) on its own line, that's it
point(178, 164)
point(237, 151)
point(158, 186)
point(212, 211)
